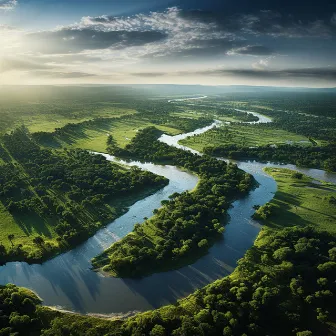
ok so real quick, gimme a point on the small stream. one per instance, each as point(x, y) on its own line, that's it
point(67, 282)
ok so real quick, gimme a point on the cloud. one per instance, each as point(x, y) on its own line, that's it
point(71, 40)
point(8, 64)
point(298, 73)
point(148, 74)
point(159, 36)
point(197, 48)
point(264, 22)
point(261, 72)
point(8, 4)
point(182, 37)
point(252, 50)
point(57, 74)
point(261, 64)
point(333, 19)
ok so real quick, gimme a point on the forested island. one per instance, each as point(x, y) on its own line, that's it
point(188, 224)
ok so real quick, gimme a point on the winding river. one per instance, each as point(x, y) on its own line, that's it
point(66, 282)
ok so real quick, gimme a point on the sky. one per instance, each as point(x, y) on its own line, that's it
point(208, 42)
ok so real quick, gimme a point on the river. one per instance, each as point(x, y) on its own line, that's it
point(67, 282)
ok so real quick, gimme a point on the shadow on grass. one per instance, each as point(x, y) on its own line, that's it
point(283, 215)
point(31, 223)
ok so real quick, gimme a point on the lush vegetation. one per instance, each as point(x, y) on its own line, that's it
point(284, 285)
point(308, 114)
point(187, 224)
point(245, 135)
point(18, 312)
point(315, 157)
point(52, 200)
point(197, 110)
point(300, 201)
point(49, 107)
point(292, 137)
point(92, 134)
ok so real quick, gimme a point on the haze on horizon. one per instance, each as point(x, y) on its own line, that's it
point(209, 42)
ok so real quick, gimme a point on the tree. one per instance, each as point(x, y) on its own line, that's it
point(158, 330)
point(332, 254)
point(2, 249)
point(304, 333)
point(297, 175)
point(203, 243)
point(10, 238)
point(38, 241)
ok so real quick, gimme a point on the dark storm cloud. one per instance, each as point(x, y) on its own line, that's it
point(318, 73)
point(265, 22)
point(309, 73)
point(76, 40)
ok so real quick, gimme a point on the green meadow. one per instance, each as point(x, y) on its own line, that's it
point(301, 202)
point(244, 135)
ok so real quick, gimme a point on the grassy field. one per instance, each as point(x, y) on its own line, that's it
point(301, 202)
point(37, 116)
point(188, 112)
point(48, 107)
point(26, 228)
point(245, 135)
point(49, 123)
point(94, 137)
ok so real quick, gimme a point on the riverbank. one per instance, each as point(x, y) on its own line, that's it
point(51, 201)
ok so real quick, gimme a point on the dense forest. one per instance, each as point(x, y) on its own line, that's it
point(323, 157)
point(187, 224)
point(71, 190)
point(311, 115)
point(316, 123)
point(311, 126)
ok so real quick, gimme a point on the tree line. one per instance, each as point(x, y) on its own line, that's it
point(323, 157)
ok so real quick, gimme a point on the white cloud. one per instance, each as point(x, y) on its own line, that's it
point(8, 4)
point(262, 64)
point(333, 19)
